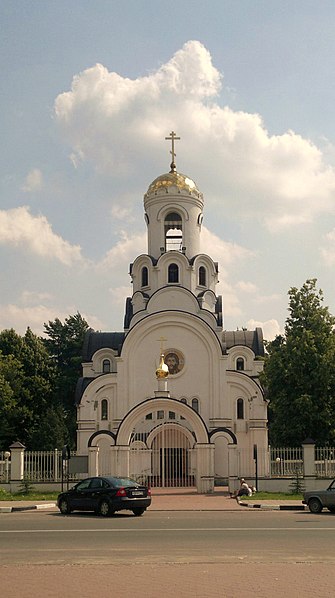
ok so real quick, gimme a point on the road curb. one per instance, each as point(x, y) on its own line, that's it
point(26, 508)
point(273, 507)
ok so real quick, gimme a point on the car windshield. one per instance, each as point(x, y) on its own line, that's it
point(123, 482)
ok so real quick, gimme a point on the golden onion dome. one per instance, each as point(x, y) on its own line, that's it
point(162, 370)
point(170, 179)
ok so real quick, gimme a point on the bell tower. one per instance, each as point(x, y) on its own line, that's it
point(173, 211)
point(173, 208)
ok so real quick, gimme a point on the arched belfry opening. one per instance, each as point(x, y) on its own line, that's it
point(173, 231)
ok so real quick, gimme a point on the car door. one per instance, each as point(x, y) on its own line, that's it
point(328, 497)
point(81, 497)
point(95, 490)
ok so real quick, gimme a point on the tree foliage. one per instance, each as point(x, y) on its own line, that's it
point(64, 343)
point(27, 376)
point(37, 384)
point(299, 372)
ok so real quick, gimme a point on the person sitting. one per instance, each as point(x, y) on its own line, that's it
point(243, 490)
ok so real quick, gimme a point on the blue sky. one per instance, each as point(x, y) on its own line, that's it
point(89, 91)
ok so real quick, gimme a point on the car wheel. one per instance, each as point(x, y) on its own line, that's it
point(331, 509)
point(64, 507)
point(138, 511)
point(104, 509)
point(314, 505)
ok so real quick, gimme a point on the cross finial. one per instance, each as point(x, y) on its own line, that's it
point(173, 137)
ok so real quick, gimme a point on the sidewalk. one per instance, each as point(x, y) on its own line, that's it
point(177, 499)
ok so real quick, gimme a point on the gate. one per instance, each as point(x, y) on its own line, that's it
point(162, 452)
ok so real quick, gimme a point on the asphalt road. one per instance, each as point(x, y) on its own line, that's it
point(48, 538)
point(193, 554)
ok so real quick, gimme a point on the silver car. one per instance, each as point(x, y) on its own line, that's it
point(318, 499)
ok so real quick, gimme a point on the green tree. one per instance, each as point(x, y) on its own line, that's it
point(64, 343)
point(7, 404)
point(299, 372)
point(26, 369)
point(52, 431)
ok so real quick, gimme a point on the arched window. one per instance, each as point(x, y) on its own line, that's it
point(195, 405)
point(173, 273)
point(145, 277)
point(104, 409)
point(240, 364)
point(173, 230)
point(240, 409)
point(106, 366)
point(202, 276)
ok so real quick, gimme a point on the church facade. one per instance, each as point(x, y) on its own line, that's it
point(174, 398)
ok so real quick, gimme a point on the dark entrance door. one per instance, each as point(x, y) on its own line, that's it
point(173, 466)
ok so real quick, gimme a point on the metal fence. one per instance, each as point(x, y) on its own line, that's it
point(325, 462)
point(286, 462)
point(170, 461)
point(45, 466)
point(4, 466)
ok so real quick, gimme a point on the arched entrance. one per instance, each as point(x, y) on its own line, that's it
point(165, 442)
point(165, 454)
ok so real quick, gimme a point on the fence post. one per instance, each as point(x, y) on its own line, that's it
point(56, 465)
point(17, 461)
point(308, 447)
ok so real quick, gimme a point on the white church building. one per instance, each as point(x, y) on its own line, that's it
point(174, 399)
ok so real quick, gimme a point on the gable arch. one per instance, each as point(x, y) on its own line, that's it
point(100, 433)
point(161, 403)
point(225, 431)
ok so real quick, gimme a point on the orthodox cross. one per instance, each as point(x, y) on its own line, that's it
point(173, 137)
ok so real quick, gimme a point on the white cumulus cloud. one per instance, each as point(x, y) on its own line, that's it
point(114, 122)
point(19, 228)
point(20, 317)
point(271, 328)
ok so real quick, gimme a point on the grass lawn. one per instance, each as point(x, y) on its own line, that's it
point(273, 496)
point(28, 495)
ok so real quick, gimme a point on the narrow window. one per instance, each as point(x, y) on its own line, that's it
point(160, 414)
point(173, 273)
point(144, 276)
point(195, 405)
point(172, 415)
point(106, 366)
point(240, 409)
point(202, 276)
point(104, 409)
point(148, 416)
point(240, 364)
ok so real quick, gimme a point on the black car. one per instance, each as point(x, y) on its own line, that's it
point(105, 495)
